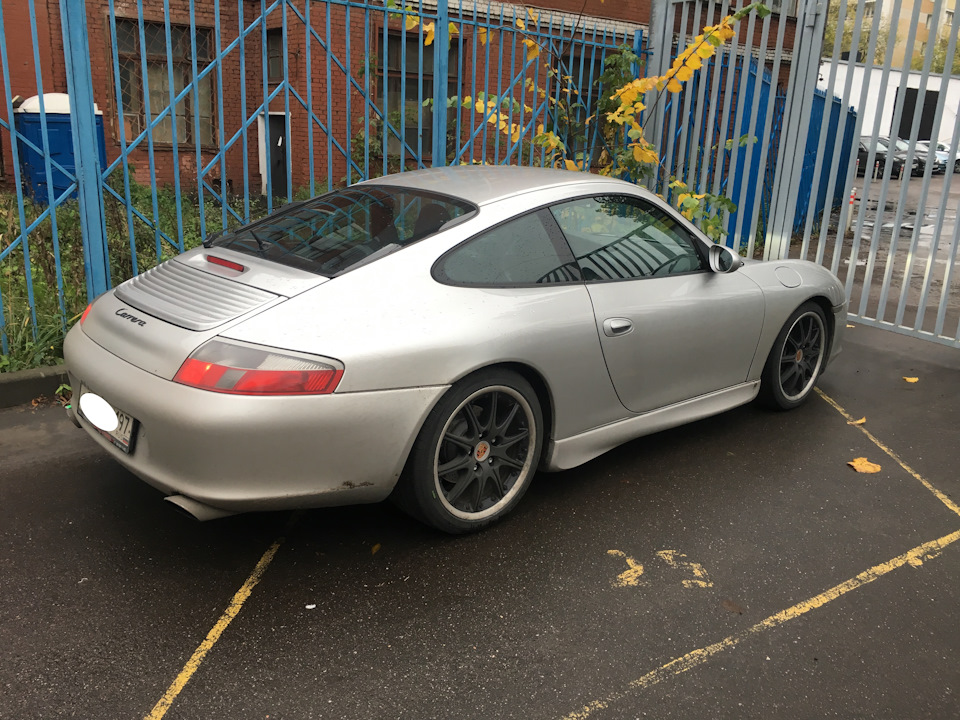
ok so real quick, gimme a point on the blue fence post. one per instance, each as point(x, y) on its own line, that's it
point(76, 49)
point(441, 69)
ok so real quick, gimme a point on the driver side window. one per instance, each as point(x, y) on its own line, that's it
point(617, 237)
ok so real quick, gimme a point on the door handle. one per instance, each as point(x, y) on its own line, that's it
point(616, 326)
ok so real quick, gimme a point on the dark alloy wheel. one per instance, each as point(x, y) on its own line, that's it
point(796, 359)
point(476, 454)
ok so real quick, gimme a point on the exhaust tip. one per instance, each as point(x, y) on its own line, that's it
point(197, 510)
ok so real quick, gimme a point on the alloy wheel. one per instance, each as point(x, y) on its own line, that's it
point(484, 453)
point(802, 356)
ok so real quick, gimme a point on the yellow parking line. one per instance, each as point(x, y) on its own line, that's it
point(914, 558)
point(160, 709)
point(942, 497)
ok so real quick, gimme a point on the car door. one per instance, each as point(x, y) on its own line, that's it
point(670, 329)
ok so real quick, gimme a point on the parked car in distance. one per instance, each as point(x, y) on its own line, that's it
point(437, 337)
point(944, 148)
point(901, 146)
point(880, 159)
point(942, 157)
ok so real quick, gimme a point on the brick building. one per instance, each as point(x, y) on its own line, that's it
point(222, 109)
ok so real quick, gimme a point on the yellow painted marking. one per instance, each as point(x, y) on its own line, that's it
point(699, 572)
point(160, 709)
point(628, 578)
point(915, 558)
point(942, 497)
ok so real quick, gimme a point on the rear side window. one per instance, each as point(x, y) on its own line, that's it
point(330, 234)
point(517, 252)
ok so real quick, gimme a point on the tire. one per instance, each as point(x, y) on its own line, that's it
point(956, 166)
point(796, 359)
point(476, 454)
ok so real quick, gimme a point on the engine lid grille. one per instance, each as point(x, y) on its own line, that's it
point(190, 298)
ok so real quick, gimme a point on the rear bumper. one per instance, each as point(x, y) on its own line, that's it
point(243, 453)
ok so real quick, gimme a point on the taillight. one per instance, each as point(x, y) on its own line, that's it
point(241, 369)
point(85, 313)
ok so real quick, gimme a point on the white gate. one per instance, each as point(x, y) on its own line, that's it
point(846, 180)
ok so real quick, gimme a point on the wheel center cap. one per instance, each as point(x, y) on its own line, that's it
point(799, 355)
point(482, 451)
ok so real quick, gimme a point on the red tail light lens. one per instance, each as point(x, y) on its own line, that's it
point(242, 369)
point(85, 313)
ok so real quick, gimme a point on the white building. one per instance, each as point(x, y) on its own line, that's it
point(881, 99)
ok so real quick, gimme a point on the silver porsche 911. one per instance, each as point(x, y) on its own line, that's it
point(437, 337)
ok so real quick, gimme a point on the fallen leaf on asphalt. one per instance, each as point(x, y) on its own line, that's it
point(732, 607)
point(373, 550)
point(861, 421)
point(911, 380)
point(850, 326)
point(862, 465)
point(309, 607)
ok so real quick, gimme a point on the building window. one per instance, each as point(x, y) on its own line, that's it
point(132, 85)
point(403, 94)
point(275, 56)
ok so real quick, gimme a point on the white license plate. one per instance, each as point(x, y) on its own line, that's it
point(123, 435)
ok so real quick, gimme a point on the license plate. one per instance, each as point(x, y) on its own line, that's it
point(123, 436)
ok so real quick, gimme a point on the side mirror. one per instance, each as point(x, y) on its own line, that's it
point(723, 259)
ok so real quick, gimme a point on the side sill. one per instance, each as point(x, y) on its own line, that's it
point(570, 452)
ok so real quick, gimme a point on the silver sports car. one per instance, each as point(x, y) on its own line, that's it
point(437, 337)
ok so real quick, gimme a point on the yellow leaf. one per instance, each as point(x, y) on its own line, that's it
point(850, 326)
point(373, 550)
point(515, 132)
point(684, 73)
point(540, 129)
point(571, 165)
point(453, 29)
point(412, 22)
point(706, 50)
point(644, 154)
point(693, 62)
point(533, 15)
point(681, 197)
point(861, 421)
point(673, 86)
point(532, 48)
point(521, 24)
point(482, 35)
point(911, 379)
point(862, 465)
point(428, 29)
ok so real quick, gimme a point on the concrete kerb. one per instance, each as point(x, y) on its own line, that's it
point(18, 388)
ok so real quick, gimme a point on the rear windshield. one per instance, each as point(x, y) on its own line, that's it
point(347, 228)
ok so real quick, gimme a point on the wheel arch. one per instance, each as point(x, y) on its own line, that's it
point(827, 307)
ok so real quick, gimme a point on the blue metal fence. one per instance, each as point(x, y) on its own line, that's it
point(217, 111)
point(811, 152)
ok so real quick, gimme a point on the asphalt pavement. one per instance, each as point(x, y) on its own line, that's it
point(733, 568)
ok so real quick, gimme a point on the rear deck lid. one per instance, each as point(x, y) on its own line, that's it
point(159, 317)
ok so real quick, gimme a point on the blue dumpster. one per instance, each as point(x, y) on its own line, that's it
point(60, 144)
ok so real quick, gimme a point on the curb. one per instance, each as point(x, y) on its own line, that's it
point(22, 386)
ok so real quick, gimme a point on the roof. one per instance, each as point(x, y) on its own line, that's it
point(482, 184)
